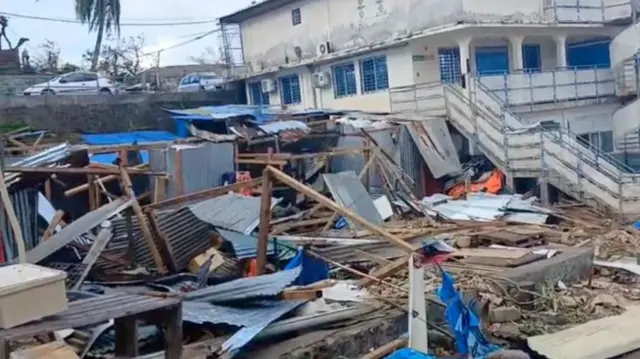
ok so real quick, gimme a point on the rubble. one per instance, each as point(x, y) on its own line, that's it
point(287, 241)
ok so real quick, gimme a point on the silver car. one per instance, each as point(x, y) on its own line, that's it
point(203, 81)
point(73, 83)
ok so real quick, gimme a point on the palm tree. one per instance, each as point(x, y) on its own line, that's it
point(101, 16)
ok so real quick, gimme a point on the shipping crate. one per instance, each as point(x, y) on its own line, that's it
point(29, 292)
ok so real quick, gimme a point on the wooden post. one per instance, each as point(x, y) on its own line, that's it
point(126, 337)
point(178, 172)
point(265, 218)
point(92, 193)
point(144, 225)
point(15, 225)
point(291, 182)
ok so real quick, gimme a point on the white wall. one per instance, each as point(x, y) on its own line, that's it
point(579, 120)
point(625, 45)
point(399, 67)
point(626, 119)
point(271, 37)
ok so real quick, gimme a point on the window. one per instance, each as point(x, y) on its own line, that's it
point(449, 59)
point(186, 80)
point(531, 58)
point(257, 96)
point(492, 60)
point(344, 80)
point(602, 141)
point(374, 74)
point(589, 54)
point(296, 17)
point(290, 90)
point(74, 77)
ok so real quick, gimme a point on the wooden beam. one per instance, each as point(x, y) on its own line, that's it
point(265, 219)
point(383, 351)
point(103, 180)
point(202, 195)
point(81, 170)
point(144, 225)
point(55, 221)
point(13, 219)
point(291, 182)
point(383, 272)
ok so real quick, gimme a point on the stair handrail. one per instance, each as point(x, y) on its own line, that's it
point(598, 153)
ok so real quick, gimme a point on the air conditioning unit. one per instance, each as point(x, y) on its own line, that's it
point(321, 79)
point(323, 49)
point(268, 85)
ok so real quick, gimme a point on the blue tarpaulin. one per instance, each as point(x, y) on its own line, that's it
point(407, 353)
point(313, 269)
point(125, 138)
point(463, 322)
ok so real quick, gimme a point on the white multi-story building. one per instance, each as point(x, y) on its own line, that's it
point(493, 68)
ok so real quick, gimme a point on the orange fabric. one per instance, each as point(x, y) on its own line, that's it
point(244, 176)
point(253, 268)
point(492, 185)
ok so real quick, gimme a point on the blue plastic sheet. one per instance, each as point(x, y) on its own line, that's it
point(463, 322)
point(407, 353)
point(313, 269)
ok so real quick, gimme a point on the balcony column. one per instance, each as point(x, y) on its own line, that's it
point(463, 45)
point(561, 51)
point(517, 58)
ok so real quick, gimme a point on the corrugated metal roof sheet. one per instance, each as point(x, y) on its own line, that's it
point(277, 126)
point(261, 114)
point(245, 246)
point(232, 211)
point(347, 190)
point(267, 285)
point(50, 155)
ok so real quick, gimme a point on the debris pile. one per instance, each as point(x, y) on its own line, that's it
point(265, 240)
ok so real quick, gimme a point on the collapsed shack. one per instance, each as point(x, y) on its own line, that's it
point(279, 249)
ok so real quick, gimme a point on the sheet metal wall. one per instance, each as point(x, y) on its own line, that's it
point(25, 204)
point(356, 162)
point(411, 161)
point(202, 165)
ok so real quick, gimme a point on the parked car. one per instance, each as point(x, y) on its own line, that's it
point(73, 83)
point(201, 82)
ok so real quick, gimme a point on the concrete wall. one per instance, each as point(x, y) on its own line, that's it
point(625, 45)
point(74, 114)
point(584, 119)
point(12, 85)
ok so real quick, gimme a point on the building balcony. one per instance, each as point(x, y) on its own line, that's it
point(517, 89)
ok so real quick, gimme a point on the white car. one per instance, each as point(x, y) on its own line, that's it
point(201, 82)
point(73, 83)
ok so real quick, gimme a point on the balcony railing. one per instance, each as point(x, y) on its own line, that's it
point(518, 89)
point(588, 10)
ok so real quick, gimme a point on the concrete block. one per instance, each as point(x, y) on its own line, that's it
point(504, 314)
point(571, 265)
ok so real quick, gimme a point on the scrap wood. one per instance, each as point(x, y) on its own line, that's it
point(55, 222)
point(101, 181)
point(142, 219)
point(282, 228)
point(386, 271)
point(300, 294)
point(99, 244)
point(265, 219)
point(202, 195)
point(291, 182)
point(383, 351)
point(82, 170)
point(13, 219)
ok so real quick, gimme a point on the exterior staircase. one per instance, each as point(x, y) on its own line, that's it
point(524, 151)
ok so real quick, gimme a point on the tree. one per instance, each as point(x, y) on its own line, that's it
point(102, 16)
point(210, 56)
point(48, 57)
point(120, 58)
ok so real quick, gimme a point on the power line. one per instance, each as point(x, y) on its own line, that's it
point(70, 21)
point(182, 43)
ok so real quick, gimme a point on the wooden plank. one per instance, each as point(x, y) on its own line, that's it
point(265, 218)
point(81, 170)
point(202, 195)
point(602, 338)
point(178, 172)
point(386, 271)
point(99, 244)
point(55, 222)
point(13, 219)
point(491, 253)
point(144, 225)
point(386, 349)
point(291, 182)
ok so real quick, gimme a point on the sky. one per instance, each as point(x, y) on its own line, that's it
point(74, 39)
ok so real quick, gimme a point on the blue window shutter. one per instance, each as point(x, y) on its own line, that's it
point(374, 73)
point(589, 54)
point(449, 59)
point(290, 90)
point(531, 57)
point(257, 96)
point(344, 80)
point(492, 60)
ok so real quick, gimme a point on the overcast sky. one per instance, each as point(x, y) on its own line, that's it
point(74, 39)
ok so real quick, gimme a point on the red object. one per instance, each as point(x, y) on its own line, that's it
point(1, 249)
